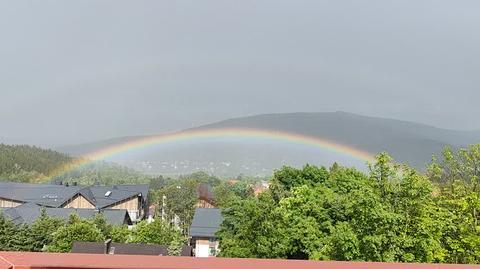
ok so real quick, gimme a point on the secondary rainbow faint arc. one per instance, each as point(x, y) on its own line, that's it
point(270, 135)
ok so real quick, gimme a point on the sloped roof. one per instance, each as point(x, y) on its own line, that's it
point(140, 188)
point(206, 222)
point(116, 216)
point(43, 194)
point(27, 214)
point(117, 193)
point(12, 214)
point(51, 195)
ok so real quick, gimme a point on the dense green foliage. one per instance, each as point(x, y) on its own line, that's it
point(24, 163)
point(391, 213)
point(55, 235)
point(158, 232)
point(76, 230)
point(42, 231)
point(103, 173)
point(176, 198)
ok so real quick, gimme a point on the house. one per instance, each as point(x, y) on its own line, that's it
point(205, 196)
point(132, 198)
point(27, 213)
point(109, 247)
point(206, 222)
point(260, 188)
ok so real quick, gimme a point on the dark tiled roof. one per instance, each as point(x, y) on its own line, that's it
point(138, 249)
point(206, 222)
point(29, 212)
point(42, 194)
point(140, 188)
point(51, 195)
point(125, 249)
point(89, 247)
point(12, 214)
point(117, 193)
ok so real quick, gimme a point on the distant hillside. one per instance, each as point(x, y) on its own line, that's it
point(103, 173)
point(26, 163)
point(23, 163)
point(408, 142)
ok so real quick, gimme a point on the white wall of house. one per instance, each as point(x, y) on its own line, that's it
point(206, 248)
point(9, 203)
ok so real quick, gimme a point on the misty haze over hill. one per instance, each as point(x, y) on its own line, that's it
point(80, 71)
point(407, 142)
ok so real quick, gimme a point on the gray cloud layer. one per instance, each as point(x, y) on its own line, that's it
point(75, 71)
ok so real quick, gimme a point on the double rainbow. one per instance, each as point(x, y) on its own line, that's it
point(199, 134)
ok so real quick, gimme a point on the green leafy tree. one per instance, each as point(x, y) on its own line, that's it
point(339, 213)
point(157, 232)
point(42, 230)
point(175, 246)
point(249, 229)
point(100, 222)
point(119, 234)
point(287, 178)
point(226, 192)
point(178, 199)
point(76, 230)
point(7, 231)
point(21, 240)
point(457, 174)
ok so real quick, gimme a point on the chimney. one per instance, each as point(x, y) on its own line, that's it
point(107, 243)
point(66, 184)
point(75, 183)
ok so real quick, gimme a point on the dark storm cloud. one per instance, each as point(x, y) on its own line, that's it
point(75, 71)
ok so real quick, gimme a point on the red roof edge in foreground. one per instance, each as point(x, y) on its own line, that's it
point(28, 260)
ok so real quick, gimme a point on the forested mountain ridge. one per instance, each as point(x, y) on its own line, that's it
point(408, 142)
point(24, 163)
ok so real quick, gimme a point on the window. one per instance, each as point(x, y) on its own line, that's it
point(212, 251)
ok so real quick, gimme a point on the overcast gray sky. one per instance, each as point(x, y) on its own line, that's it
point(77, 71)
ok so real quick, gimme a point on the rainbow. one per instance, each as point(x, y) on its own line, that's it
point(191, 135)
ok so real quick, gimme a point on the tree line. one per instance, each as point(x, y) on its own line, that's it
point(392, 213)
point(24, 163)
point(49, 234)
point(389, 213)
point(30, 164)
